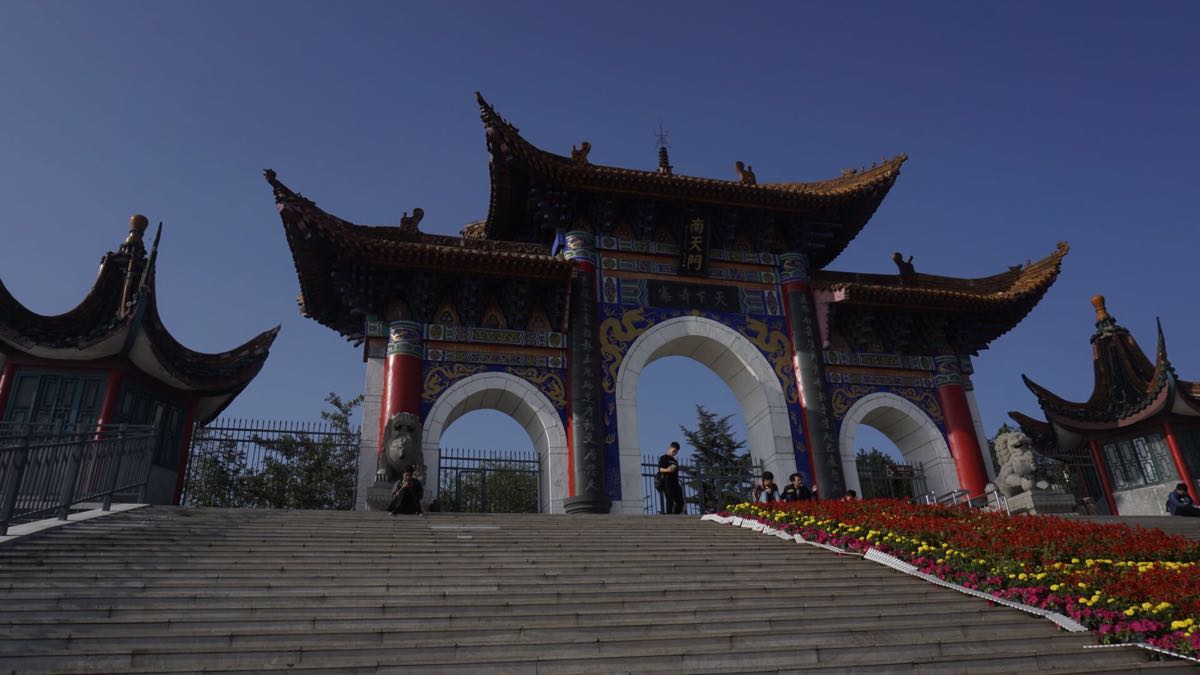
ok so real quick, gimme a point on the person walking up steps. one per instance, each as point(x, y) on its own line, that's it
point(668, 478)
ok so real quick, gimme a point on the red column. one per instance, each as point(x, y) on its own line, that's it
point(1102, 469)
point(6, 383)
point(960, 426)
point(189, 421)
point(112, 389)
point(402, 373)
point(1185, 476)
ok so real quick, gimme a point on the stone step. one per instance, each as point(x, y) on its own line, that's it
point(421, 638)
point(761, 650)
point(789, 618)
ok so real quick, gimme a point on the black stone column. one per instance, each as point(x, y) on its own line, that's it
point(587, 449)
point(810, 376)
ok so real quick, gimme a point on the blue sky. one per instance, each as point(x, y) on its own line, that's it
point(1026, 123)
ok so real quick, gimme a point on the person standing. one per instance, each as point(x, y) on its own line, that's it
point(668, 472)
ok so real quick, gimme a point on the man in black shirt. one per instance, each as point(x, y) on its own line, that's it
point(796, 490)
point(668, 473)
point(406, 495)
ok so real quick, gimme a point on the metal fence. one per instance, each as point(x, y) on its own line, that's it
point(902, 481)
point(489, 481)
point(702, 491)
point(47, 469)
point(253, 463)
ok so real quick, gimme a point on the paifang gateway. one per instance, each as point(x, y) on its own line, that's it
point(583, 274)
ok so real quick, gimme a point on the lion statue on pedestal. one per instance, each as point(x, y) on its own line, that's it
point(401, 447)
point(1018, 468)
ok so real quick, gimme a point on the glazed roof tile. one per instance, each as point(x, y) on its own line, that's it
point(847, 201)
point(321, 242)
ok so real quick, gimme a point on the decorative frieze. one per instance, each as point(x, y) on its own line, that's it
point(947, 370)
point(404, 338)
point(870, 360)
point(495, 358)
point(880, 380)
point(655, 293)
point(495, 336)
point(659, 248)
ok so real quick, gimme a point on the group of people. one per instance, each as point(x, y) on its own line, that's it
point(765, 489)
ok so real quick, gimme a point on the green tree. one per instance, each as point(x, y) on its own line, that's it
point(216, 472)
point(720, 475)
point(305, 471)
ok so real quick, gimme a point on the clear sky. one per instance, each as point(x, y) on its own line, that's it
point(1026, 123)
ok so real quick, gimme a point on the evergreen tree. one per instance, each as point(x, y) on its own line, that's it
point(873, 475)
point(720, 475)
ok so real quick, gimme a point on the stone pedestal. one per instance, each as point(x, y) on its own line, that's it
point(1042, 502)
point(379, 496)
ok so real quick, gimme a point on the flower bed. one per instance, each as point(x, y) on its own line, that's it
point(1128, 584)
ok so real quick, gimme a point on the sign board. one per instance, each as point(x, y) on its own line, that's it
point(693, 254)
point(900, 471)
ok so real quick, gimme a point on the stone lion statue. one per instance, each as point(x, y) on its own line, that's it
point(1018, 467)
point(401, 446)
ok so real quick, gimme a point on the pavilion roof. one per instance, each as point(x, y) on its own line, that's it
point(335, 259)
point(985, 308)
point(1127, 388)
point(840, 206)
point(119, 318)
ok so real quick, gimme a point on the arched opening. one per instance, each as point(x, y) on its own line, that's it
point(529, 408)
point(919, 441)
point(737, 362)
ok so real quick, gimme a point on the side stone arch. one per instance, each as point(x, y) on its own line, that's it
point(917, 437)
point(520, 400)
point(735, 360)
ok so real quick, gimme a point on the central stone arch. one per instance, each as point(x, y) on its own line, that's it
point(735, 360)
point(519, 400)
point(919, 440)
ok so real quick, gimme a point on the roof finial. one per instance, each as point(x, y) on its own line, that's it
point(745, 173)
point(664, 161)
point(1101, 310)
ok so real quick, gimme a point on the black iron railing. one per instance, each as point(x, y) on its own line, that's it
point(489, 481)
point(47, 469)
point(253, 463)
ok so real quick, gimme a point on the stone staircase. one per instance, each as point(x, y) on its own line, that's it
point(165, 589)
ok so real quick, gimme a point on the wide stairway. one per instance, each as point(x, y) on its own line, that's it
point(173, 590)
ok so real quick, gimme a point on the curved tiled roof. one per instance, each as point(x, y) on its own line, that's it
point(119, 313)
point(324, 246)
point(847, 201)
point(1127, 386)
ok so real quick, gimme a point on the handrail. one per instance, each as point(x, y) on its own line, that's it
point(46, 469)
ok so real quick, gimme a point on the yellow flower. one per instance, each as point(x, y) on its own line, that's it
point(1130, 611)
point(1054, 587)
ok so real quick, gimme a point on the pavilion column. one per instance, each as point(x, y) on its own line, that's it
point(590, 493)
point(819, 425)
point(109, 407)
point(402, 374)
point(1105, 483)
point(960, 426)
point(7, 375)
point(1181, 466)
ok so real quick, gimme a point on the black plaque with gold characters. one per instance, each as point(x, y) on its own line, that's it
point(693, 253)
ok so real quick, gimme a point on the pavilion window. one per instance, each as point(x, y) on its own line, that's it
point(1138, 462)
point(55, 398)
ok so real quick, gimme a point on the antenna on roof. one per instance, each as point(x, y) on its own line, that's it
point(664, 162)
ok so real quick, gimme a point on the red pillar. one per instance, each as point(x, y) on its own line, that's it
point(1185, 476)
point(402, 373)
point(112, 389)
point(189, 421)
point(1102, 469)
point(6, 384)
point(960, 426)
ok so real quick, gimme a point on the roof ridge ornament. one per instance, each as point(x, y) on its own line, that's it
point(580, 155)
point(664, 160)
point(408, 224)
point(1106, 324)
point(489, 115)
point(745, 173)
